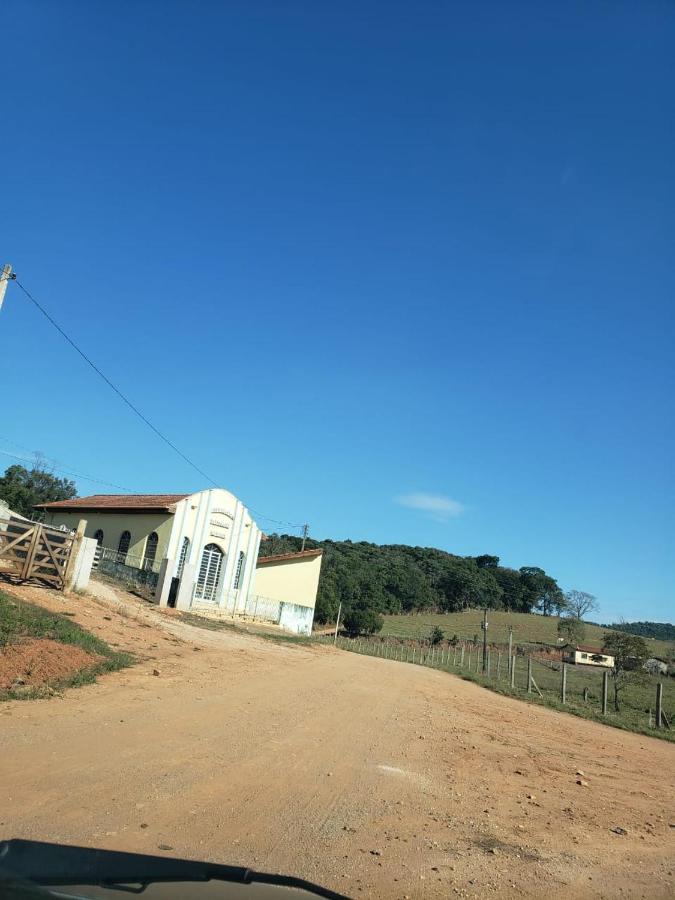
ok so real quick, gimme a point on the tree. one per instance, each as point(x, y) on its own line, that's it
point(465, 585)
point(23, 488)
point(541, 591)
point(513, 589)
point(571, 629)
point(487, 562)
point(362, 619)
point(630, 652)
point(580, 604)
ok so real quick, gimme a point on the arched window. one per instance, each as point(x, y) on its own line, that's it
point(210, 568)
point(125, 540)
point(239, 570)
point(98, 536)
point(183, 556)
point(151, 549)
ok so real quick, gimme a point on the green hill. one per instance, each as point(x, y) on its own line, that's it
point(527, 628)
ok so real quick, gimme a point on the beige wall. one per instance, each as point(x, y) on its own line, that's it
point(113, 524)
point(289, 580)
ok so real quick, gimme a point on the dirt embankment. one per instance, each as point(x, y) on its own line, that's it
point(372, 777)
point(39, 661)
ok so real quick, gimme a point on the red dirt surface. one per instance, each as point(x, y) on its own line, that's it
point(41, 661)
point(378, 779)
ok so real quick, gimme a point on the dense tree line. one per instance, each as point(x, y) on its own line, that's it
point(396, 578)
point(22, 488)
point(663, 631)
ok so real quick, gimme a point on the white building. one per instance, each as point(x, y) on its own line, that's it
point(197, 552)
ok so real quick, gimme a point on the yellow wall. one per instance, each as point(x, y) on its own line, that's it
point(289, 580)
point(113, 524)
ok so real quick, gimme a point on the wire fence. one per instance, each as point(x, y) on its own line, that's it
point(646, 702)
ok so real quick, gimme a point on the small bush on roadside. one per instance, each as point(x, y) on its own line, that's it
point(362, 620)
point(437, 635)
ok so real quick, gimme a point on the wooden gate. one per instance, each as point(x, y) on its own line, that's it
point(31, 550)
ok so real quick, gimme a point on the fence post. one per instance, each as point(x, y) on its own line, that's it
point(461, 659)
point(510, 647)
point(563, 683)
point(454, 655)
point(513, 671)
point(529, 674)
point(487, 668)
point(659, 704)
point(605, 691)
point(469, 657)
point(413, 655)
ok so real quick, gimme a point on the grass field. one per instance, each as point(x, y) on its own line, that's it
point(527, 629)
point(20, 620)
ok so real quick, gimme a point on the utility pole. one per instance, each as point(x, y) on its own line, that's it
point(337, 623)
point(5, 276)
point(305, 532)
point(485, 642)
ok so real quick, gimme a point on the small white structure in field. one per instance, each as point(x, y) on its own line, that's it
point(582, 654)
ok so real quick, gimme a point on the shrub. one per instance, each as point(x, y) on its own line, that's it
point(437, 635)
point(362, 620)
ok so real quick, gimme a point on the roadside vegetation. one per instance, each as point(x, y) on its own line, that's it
point(28, 632)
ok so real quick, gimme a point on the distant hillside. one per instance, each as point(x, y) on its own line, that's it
point(663, 631)
point(527, 629)
point(396, 578)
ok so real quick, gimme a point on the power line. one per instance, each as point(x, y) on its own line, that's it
point(56, 465)
point(128, 402)
point(110, 384)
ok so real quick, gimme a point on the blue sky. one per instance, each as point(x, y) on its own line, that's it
point(402, 271)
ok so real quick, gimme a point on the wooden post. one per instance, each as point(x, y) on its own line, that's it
point(485, 629)
point(563, 683)
point(487, 671)
point(413, 659)
point(337, 622)
point(454, 656)
point(529, 674)
point(510, 647)
point(69, 572)
point(461, 660)
point(469, 657)
point(513, 671)
point(659, 705)
point(605, 691)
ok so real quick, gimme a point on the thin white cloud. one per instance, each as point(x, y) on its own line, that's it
point(436, 506)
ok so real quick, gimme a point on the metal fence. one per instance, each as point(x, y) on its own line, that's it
point(646, 703)
point(134, 572)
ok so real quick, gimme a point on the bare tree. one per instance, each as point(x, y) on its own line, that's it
point(580, 604)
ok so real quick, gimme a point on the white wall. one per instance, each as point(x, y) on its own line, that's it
point(214, 516)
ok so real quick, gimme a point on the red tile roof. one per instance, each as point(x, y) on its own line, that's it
point(280, 557)
point(118, 502)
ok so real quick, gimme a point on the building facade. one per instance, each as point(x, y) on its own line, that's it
point(196, 552)
point(202, 547)
point(587, 656)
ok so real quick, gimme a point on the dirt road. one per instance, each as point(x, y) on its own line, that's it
point(373, 777)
